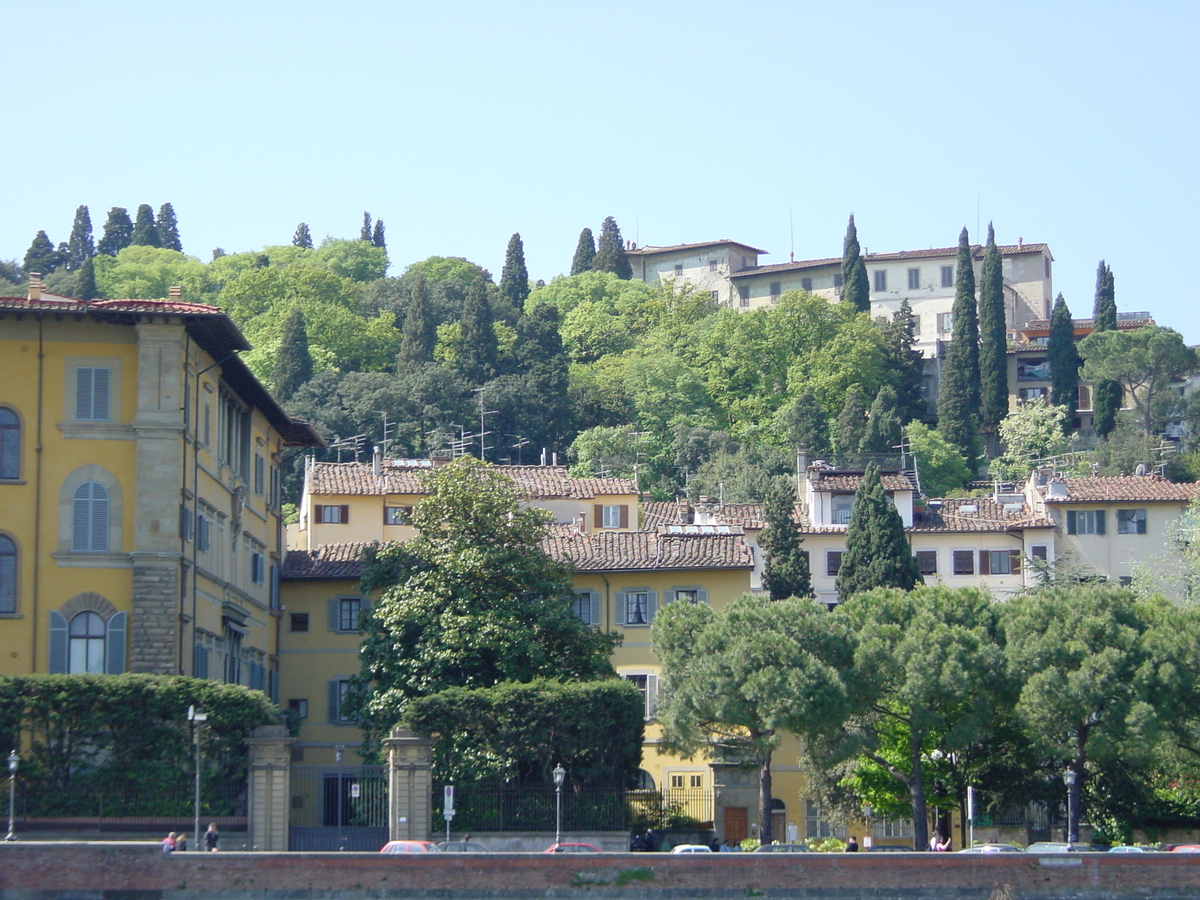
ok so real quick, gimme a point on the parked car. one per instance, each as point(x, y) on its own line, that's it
point(1186, 848)
point(992, 848)
point(782, 848)
point(1125, 849)
point(409, 847)
point(461, 847)
point(572, 847)
point(890, 848)
point(691, 848)
point(1064, 847)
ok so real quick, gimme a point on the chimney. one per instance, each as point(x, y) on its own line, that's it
point(35, 285)
point(581, 523)
point(376, 459)
point(1020, 242)
point(175, 292)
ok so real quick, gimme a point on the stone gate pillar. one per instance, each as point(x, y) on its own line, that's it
point(270, 788)
point(410, 785)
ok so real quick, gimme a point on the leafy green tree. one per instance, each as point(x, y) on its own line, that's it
point(118, 232)
point(906, 363)
point(745, 474)
point(303, 237)
point(851, 427)
point(80, 247)
point(420, 331)
point(855, 288)
point(514, 277)
point(448, 280)
point(877, 552)
point(585, 252)
point(1106, 395)
point(882, 434)
point(148, 273)
point(786, 572)
point(365, 233)
point(1064, 363)
point(993, 338)
point(735, 679)
point(802, 421)
point(473, 601)
point(145, 231)
point(168, 228)
point(958, 394)
point(42, 256)
point(378, 235)
point(1029, 433)
point(665, 389)
point(610, 253)
point(940, 467)
point(1145, 362)
point(86, 286)
point(293, 363)
point(479, 357)
point(357, 260)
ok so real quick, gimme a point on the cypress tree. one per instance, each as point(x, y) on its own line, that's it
point(145, 232)
point(883, 426)
point(293, 362)
point(993, 338)
point(365, 232)
point(420, 330)
point(851, 424)
point(80, 247)
point(785, 572)
point(1064, 362)
point(478, 352)
point(1106, 395)
point(86, 288)
point(168, 228)
point(514, 277)
point(118, 232)
point(377, 235)
point(302, 237)
point(585, 252)
point(803, 422)
point(958, 394)
point(877, 551)
point(906, 363)
point(855, 288)
point(42, 256)
point(610, 254)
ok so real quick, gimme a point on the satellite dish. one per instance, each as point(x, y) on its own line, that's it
point(1141, 470)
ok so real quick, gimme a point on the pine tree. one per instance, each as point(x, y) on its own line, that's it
point(365, 233)
point(168, 228)
point(906, 363)
point(145, 232)
point(851, 423)
point(118, 232)
point(514, 277)
point(585, 252)
point(420, 330)
point(785, 573)
point(1106, 395)
point(855, 287)
point(1064, 362)
point(42, 256)
point(993, 338)
point(302, 237)
point(86, 288)
point(293, 362)
point(958, 394)
point(882, 434)
point(610, 254)
point(877, 551)
point(80, 247)
point(478, 353)
point(377, 235)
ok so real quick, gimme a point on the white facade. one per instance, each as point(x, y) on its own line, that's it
point(705, 266)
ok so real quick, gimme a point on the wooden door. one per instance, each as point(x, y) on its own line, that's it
point(736, 824)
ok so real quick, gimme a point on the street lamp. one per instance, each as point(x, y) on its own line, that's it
point(340, 754)
point(1072, 827)
point(197, 718)
point(560, 775)
point(13, 762)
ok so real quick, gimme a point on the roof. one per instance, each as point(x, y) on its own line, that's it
point(621, 551)
point(1126, 324)
point(961, 514)
point(663, 513)
point(329, 561)
point(535, 482)
point(900, 255)
point(650, 249)
point(1142, 488)
point(842, 480)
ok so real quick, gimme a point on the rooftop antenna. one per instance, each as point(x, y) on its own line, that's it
point(389, 429)
point(791, 237)
point(637, 453)
point(520, 442)
point(483, 432)
point(353, 443)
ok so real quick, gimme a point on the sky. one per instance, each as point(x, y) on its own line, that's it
point(459, 123)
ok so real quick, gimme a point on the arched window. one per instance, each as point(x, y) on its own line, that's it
point(89, 524)
point(10, 444)
point(85, 644)
point(8, 575)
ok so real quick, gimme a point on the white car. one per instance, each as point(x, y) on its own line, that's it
point(691, 848)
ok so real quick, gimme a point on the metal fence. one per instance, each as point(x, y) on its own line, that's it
point(129, 799)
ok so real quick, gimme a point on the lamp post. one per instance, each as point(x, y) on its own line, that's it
point(340, 754)
point(1072, 827)
point(13, 762)
point(560, 775)
point(868, 834)
point(197, 718)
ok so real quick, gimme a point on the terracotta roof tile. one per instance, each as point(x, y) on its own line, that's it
point(536, 482)
point(650, 249)
point(932, 253)
point(849, 481)
point(1144, 488)
point(327, 561)
point(975, 514)
point(659, 513)
point(608, 551)
point(55, 303)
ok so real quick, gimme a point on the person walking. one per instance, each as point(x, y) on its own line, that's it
point(211, 837)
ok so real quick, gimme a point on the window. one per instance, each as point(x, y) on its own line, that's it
point(1032, 395)
point(203, 532)
point(927, 561)
point(10, 444)
point(678, 269)
point(259, 473)
point(233, 435)
point(587, 607)
point(1033, 369)
point(964, 562)
point(637, 607)
point(89, 524)
point(647, 685)
point(1085, 521)
point(880, 279)
point(744, 294)
point(806, 285)
point(712, 265)
point(200, 661)
point(397, 515)
point(299, 706)
point(837, 281)
point(299, 622)
point(207, 421)
point(999, 562)
point(92, 393)
point(331, 515)
point(1039, 551)
point(716, 296)
point(344, 613)
point(1046, 259)
point(817, 825)
point(945, 323)
point(258, 567)
point(842, 506)
point(947, 276)
point(1131, 521)
point(8, 575)
point(776, 289)
point(687, 595)
point(914, 279)
point(233, 652)
point(833, 561)
point(338, 691)
point(612, 516)
point(695, 781)
point(85, 644)
point(677, 781)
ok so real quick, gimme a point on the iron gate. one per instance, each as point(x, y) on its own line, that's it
point(338, 808)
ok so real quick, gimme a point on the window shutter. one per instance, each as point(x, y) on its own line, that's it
point(1099, 521)
point(58, 643)
point(114, 645)
point(651, 605)
point(702, 596)
point(651, 696)
point(334, 617)
point(1015, 561)
point(624, 515)
point(619, 607)
point(668, 598)
point(1071, 523)
point(333, 702)
point(80, 519)
point(985, 562)
point(99, 526)
point(345, 516)
point(318, 513)
point(100, 394)
point(599, 512)
point(594, 605)
point(1141, 522)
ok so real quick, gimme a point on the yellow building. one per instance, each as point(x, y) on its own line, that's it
point(139, 483)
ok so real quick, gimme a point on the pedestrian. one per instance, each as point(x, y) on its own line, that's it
point(211, 837)
point(181, 841)
point(852, 845)
point(168, 844)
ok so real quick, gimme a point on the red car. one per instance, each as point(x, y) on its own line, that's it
point(578, 847)
point(409, 847)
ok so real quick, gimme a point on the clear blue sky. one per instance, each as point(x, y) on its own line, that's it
point(458, 123)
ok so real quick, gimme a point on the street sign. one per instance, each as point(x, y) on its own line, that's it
point(448, 799)
point(354, 791)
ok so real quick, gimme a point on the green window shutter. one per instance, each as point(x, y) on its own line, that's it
point(619, 607)
point(1099, 521)
point(668, 598)
point(594, 597)
point(114, 644)
point(58, 643)
point(1071, 522)
point(651, 605)
point(651, 696)
point(334, 617)
point(702, 596)
point(1141, 522)
point(333, 702)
